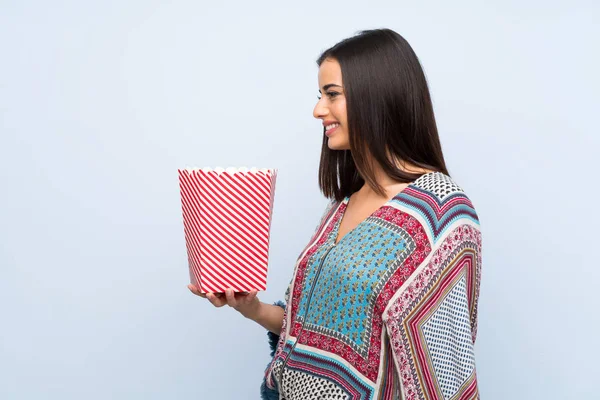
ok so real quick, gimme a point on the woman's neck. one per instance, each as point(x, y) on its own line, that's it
point(391, 186)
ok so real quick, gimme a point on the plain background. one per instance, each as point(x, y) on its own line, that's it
point(101, 102)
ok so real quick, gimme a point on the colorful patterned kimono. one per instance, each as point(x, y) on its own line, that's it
point(389, 312)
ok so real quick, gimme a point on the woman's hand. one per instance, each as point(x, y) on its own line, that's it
point(246, 304)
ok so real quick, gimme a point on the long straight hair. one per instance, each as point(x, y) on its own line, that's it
point(389, 112)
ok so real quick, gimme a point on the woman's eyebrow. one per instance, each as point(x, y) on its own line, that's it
point(328, 86)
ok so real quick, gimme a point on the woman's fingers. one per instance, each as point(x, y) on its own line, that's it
point(229, 297)
point(250, 296)
point(231, 300)
point(195, 290)
point(216, 301)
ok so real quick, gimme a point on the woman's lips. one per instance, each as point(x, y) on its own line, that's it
point(329, 132)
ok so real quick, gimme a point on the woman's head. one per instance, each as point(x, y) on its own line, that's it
point(383, 109)
point(331, 107)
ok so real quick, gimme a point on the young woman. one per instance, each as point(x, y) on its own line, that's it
point(383, 300)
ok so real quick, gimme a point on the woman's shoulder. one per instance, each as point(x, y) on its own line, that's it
point(439, 185)
point(441, 197)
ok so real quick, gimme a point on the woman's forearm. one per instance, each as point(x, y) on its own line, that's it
point(270, 317)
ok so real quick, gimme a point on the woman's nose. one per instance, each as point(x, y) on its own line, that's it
point(319, 111)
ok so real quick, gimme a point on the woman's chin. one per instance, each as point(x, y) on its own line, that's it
point(333, 145)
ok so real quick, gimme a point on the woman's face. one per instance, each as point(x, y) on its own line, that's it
point(331, 107)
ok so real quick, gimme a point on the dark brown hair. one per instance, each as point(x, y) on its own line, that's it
point(388, 107)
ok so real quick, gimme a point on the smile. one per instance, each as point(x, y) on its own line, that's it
point(329, 129)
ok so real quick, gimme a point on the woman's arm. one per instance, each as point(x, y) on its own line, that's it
point(432, 320)
point(269, 316)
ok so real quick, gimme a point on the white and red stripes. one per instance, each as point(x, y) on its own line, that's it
point(227, 218)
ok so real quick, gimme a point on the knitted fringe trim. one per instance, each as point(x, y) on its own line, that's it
point(265, 392)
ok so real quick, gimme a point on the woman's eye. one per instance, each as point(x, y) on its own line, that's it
point(332, 94)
